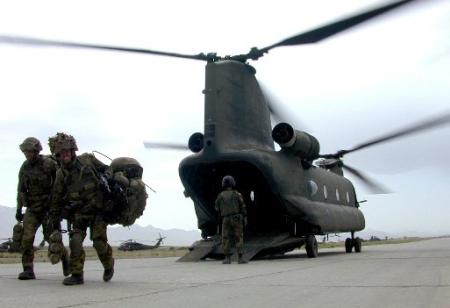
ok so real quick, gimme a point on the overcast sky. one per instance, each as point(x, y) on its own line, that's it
point(379, 77)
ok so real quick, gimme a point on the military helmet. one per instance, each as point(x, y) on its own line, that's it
point(31, 144)
point(228, 181)
point(61, 142)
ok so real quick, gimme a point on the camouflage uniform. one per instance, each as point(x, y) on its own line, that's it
point(77, 196)
point(36, 178)
point(230, 204)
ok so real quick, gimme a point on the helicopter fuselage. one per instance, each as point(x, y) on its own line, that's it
point(283, 192)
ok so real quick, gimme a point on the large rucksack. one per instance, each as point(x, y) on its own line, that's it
point(128, 194)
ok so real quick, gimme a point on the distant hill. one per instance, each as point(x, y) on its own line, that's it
point(116, 234)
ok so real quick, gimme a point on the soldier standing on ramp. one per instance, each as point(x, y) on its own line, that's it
point(231, 207)
point(78, 190)
point(36, 177)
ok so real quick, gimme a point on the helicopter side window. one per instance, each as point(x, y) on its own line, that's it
point(337, 195)
point(312, 188)
point(325, 192)
point(252, 196)
point(348, 197)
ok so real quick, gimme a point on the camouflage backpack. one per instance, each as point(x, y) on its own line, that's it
point(129, 197)
point(16, 242)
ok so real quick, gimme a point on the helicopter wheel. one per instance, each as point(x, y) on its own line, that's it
point(312, 249)
point(349, 245)
point(357, 244)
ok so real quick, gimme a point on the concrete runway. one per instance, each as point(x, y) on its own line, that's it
point(403, 275)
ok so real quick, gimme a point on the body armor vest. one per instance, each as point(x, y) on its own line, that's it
point(37, 180)
point(83, 187)
point(229, 203)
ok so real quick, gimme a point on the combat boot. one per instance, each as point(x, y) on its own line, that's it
point(27, 273)
point(241, 260)
point(108, 273)
point(73, 280)
point(227, 260)
point(65, 266)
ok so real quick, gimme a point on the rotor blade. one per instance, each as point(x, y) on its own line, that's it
point(165, 146)
point(428, 124)
point(22, 40)
point(326, 31)
point(371, 184)
point(276, 109)
point(416, 128)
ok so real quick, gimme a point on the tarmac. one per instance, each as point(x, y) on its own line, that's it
point(413, 274)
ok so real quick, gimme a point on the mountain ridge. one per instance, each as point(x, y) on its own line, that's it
point(116, 234)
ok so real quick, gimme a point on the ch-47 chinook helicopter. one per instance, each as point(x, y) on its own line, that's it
point(292, 194)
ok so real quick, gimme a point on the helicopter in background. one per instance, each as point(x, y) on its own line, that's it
point(291, 194)
point(131, 245)
point(5, 246)
point(10, 246)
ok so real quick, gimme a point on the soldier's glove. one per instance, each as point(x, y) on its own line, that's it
point(19, 215)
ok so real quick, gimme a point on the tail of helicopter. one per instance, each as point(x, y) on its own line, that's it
point(238, 141)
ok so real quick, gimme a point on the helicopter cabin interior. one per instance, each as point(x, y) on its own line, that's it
point(264, 210)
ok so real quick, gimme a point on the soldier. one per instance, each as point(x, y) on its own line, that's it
point(231, 207)
point(78, 197)
point(36, 177)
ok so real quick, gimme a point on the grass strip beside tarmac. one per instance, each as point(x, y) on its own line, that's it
point(171, 251)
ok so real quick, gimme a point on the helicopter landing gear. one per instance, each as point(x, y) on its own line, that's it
point(353, 242)
point(357, 243)
point(312, 249)
point(348, 245)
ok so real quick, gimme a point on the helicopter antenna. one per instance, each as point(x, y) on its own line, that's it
point(111, 160)
point(104, 155)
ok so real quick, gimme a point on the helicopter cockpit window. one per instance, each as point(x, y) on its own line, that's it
point(325, 192)
point(337, 195)
point(312, 188)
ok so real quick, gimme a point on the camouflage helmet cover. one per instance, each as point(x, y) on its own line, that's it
point(31, 144)
point(62, 141)
point(228, 181)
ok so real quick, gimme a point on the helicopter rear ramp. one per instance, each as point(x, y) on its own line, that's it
point(254, 246)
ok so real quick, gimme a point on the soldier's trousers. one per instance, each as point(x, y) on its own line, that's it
point(31, 222)
point(233, 229)
point(98, 236)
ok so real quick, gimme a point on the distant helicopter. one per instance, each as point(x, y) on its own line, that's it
point(5, 246)
point(292, 194)
point(130, 245)
point(10, 246)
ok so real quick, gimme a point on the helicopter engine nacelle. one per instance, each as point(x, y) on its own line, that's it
point(195, 143)
point(300, 143)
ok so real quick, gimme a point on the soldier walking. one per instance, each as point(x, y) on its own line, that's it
point(231, 207)
point(78, 194)
point(36, 177)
